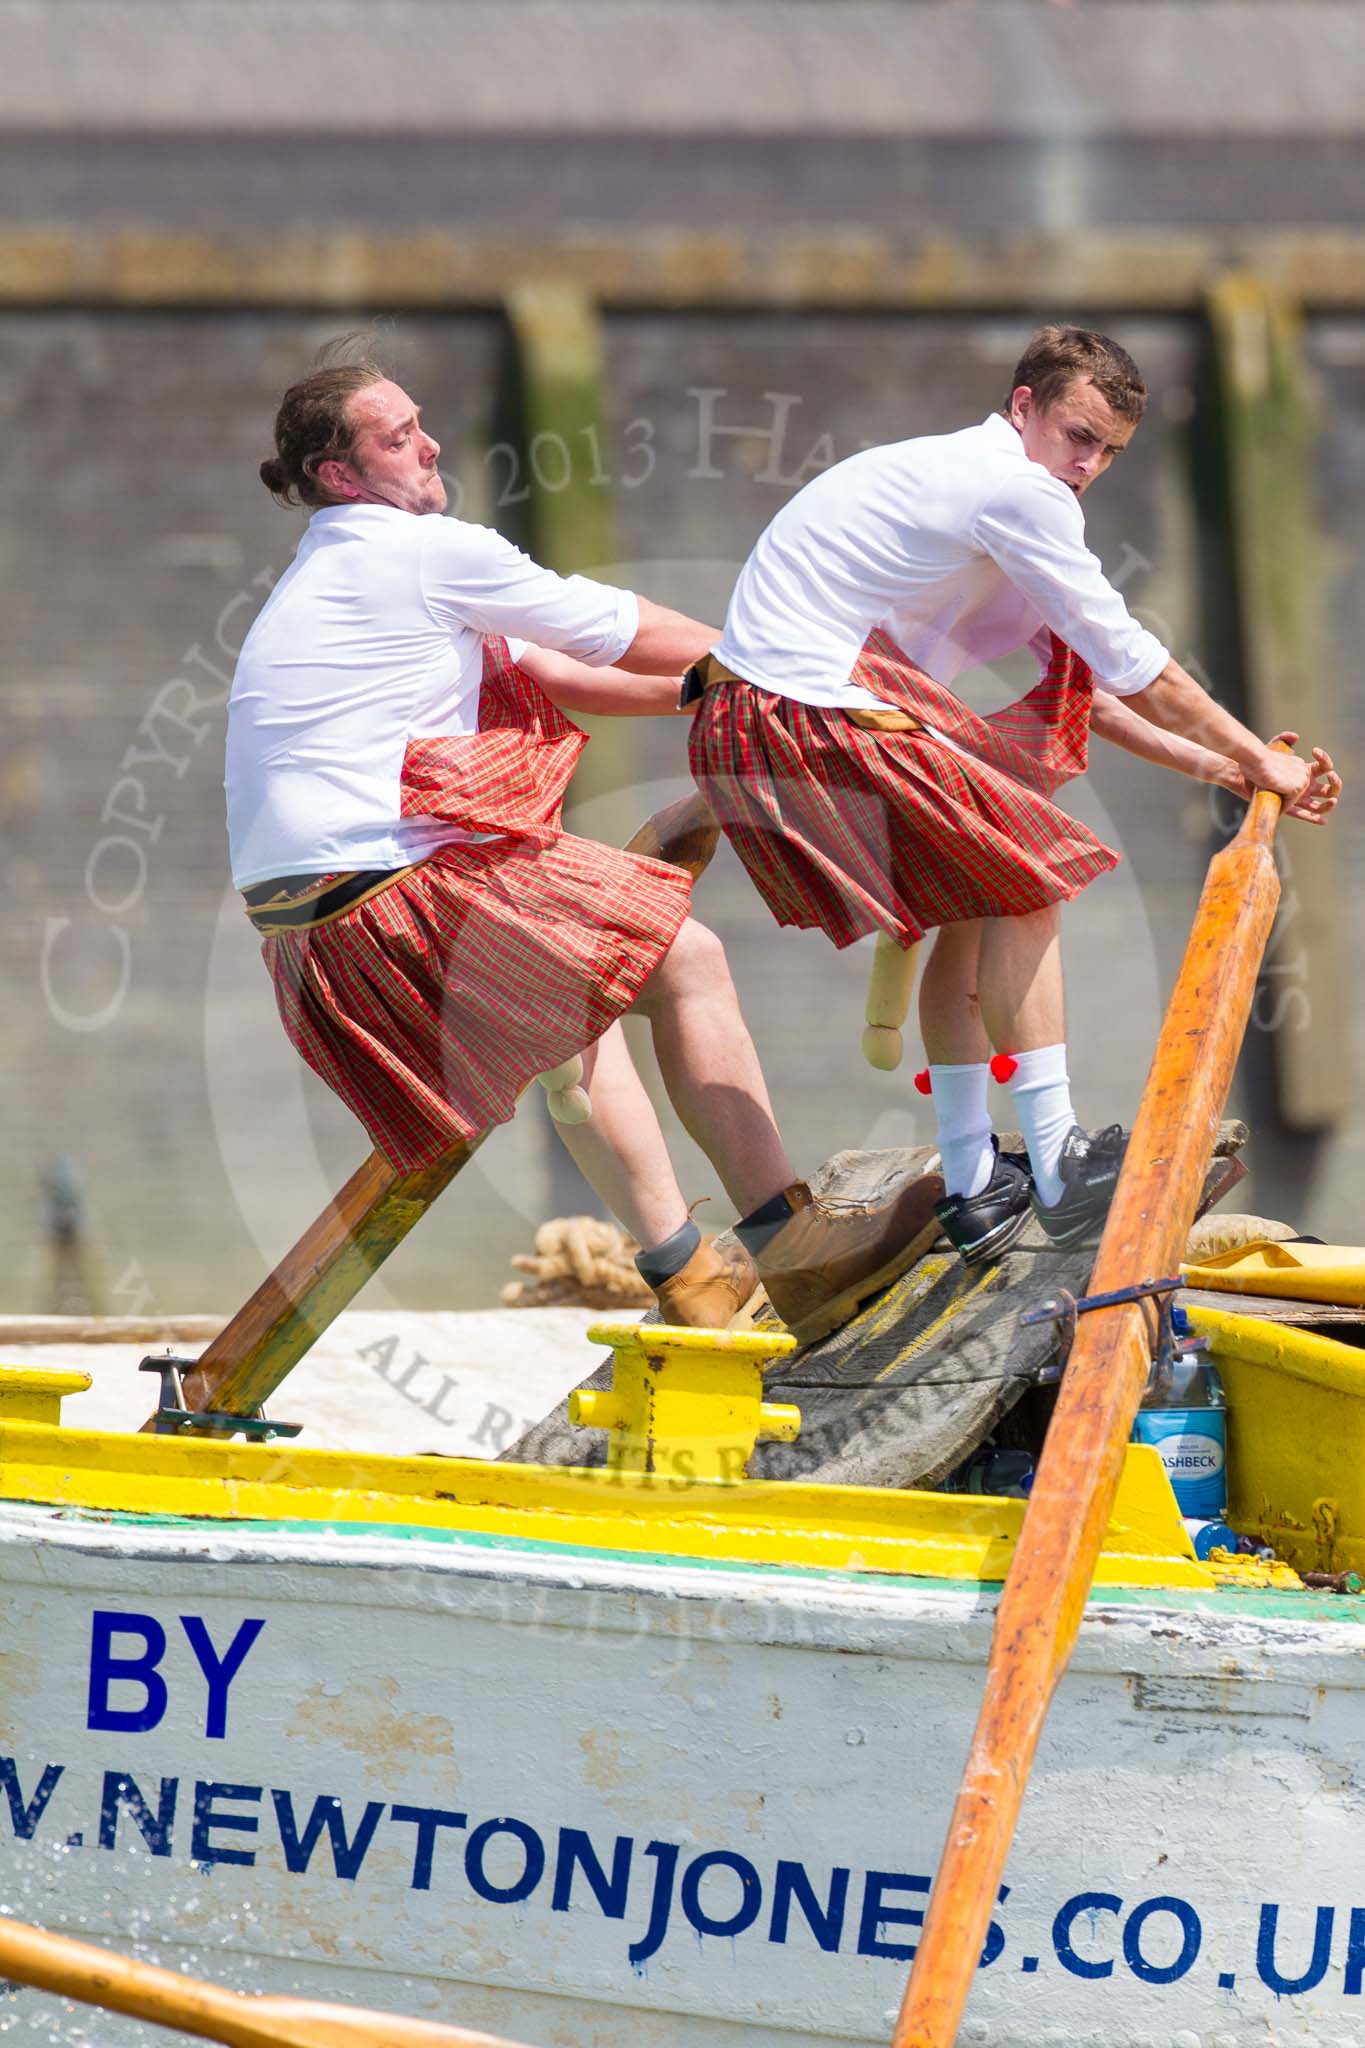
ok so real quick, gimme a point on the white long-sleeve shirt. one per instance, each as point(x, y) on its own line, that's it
point(957, 546)
point(374, 637)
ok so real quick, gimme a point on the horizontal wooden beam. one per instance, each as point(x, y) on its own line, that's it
point(1154, 271)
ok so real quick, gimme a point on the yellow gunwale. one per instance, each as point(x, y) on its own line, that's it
point(872, 1529)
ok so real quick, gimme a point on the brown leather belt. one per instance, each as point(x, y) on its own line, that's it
point(704, 675)
point(707, 673)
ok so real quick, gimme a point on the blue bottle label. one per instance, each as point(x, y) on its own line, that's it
point(1192, 1443)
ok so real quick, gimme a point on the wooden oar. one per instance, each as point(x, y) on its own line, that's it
point(264, 1341)
point(98, 1976)
point(313, 1283)
point(1044, 1596)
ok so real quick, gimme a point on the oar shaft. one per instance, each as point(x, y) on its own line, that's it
point(318, 1278)
point(166, 1999)
point(1073, 1493)
point(96, 1976)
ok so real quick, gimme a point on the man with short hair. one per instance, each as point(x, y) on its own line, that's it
point(395, 768)
point(862, 794)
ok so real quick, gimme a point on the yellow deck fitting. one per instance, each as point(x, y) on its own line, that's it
point(31, 1393)
point(686, 1403)
point(673, 1513)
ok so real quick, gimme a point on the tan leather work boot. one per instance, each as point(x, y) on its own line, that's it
point(822, 1265)
point(710, 1290)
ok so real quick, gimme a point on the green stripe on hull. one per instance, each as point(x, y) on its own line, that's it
point(1262, 1602)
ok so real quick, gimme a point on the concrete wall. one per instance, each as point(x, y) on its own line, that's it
point(543, 116)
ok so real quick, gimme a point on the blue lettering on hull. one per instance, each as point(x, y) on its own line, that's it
point(715, 1893)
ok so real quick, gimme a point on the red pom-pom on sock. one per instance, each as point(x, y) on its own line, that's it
point(1003, 1067)
point(922, 1082)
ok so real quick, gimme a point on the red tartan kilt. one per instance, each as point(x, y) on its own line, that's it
point(851, 831)
point(428, 1008)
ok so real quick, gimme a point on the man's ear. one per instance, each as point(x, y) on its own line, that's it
point(1021, 404)
point(338, 478)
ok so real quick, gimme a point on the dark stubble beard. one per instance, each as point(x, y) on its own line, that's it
point(438, 505)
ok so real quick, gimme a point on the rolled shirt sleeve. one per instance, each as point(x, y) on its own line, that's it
point(471, 576)
point(1032, 528)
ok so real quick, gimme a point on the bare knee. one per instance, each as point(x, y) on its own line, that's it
point(956, 955)
point(1044, 921)
point(962, 936)
point(694, 964)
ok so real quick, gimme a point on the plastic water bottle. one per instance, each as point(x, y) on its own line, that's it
point(1001, 1472)
point(995, 1471)
point(1206, 1537)
point(1186, 1421)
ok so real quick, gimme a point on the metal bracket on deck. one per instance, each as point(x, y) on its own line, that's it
point(1065, 1308)
point(173, 1418)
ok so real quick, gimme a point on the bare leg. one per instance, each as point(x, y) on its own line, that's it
point(1022, 1005)
point(621, 1152)
point(949, 1006)
point(711, 1070)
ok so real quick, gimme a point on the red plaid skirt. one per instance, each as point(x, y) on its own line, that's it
point(854, 831)
point(428, 1007)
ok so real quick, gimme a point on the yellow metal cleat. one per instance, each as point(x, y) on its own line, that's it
point(31, 1393)
point(686, 1404)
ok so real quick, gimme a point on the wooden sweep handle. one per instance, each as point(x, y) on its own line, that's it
point(685, 835)
point(323, 1272)
point(1073, 1493)
point(97, 1976)
point(890, 985)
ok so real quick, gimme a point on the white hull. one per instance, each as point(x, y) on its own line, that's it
point(718, 1748)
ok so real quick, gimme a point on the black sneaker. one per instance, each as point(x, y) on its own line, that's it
point(982, 1226)
point(1089, 1167)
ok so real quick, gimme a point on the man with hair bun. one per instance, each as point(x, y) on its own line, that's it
point(863, 795)
point(396, 762)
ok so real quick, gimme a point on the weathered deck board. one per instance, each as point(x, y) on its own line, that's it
point(907, 1389)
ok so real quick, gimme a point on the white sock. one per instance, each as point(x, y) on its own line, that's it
point(964, 1127)
point(1042, 1095)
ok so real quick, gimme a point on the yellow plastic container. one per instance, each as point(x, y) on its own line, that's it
point(1296, 1437)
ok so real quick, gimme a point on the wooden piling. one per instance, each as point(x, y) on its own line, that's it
point(1263, 454)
